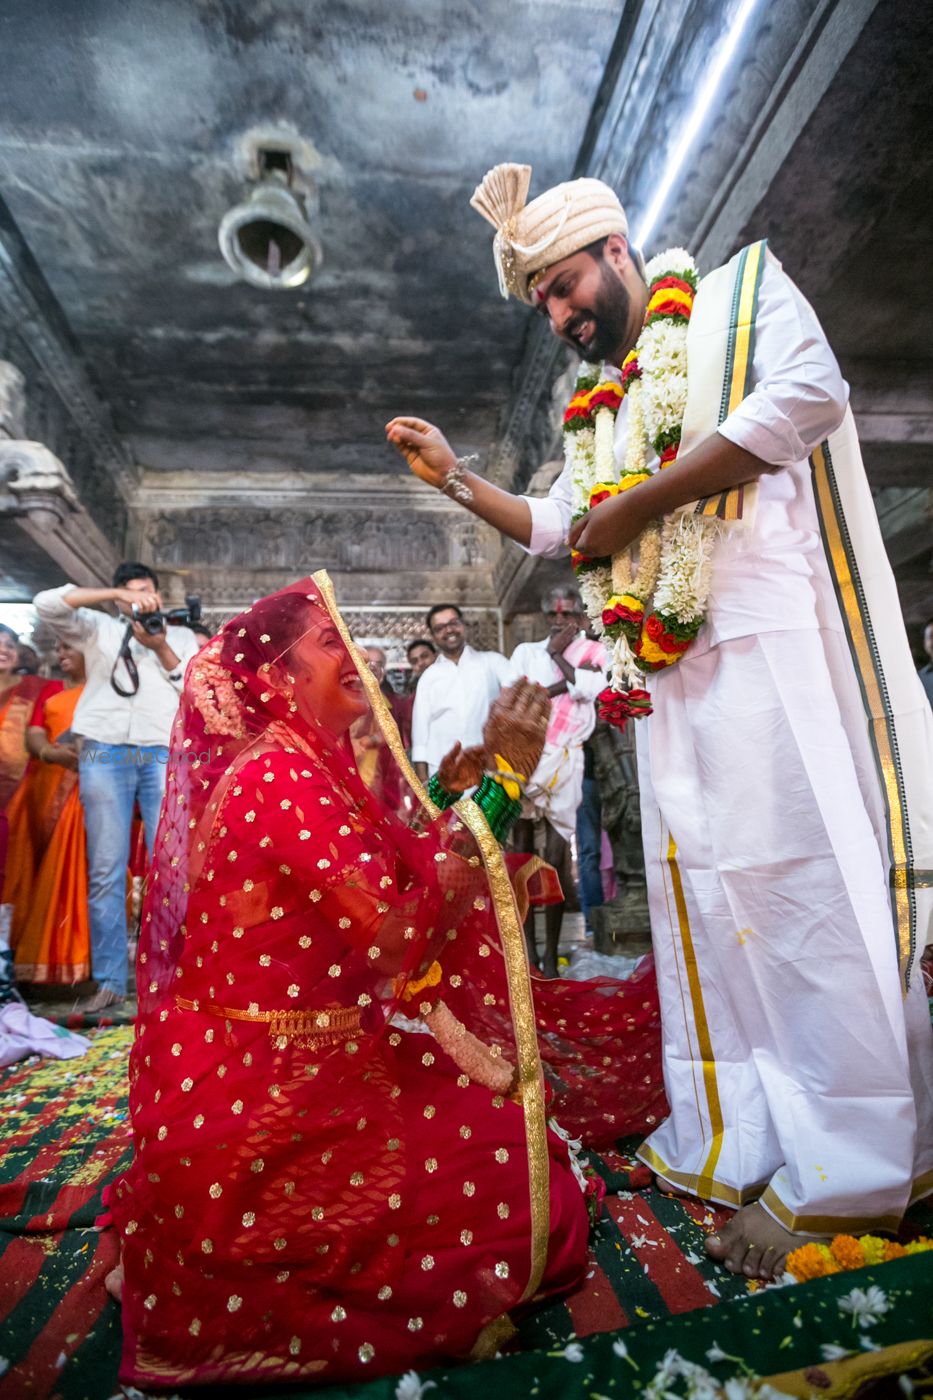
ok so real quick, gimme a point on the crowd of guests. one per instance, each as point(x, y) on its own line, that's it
point(82, 775)
point(453, 686)
point(83, 760)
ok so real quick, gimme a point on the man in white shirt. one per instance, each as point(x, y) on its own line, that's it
point(124, 716)
point(788, 884)
point(454, 694)
point(572, 669)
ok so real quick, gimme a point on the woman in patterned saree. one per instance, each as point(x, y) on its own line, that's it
point(334, 1177)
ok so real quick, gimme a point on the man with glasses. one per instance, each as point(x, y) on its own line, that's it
point(454, 694)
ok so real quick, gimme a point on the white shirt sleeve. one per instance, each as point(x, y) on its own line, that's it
point(501, 668)
point(420, 719)
point(72, 625)
point(550, 519)
point(800, 396)
point(517, 664)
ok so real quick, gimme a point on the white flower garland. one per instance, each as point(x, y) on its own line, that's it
point(666, 572)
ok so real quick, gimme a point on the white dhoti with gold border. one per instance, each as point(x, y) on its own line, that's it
point(794, 1064)
point(787, 799)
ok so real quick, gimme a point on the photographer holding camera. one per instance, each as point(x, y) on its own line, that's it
point(135, 670)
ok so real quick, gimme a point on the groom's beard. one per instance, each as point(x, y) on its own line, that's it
point(610, 316)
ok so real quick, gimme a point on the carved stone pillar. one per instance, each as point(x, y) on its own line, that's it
point(36, 490)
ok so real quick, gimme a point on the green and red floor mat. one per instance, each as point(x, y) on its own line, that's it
point(650, 1292)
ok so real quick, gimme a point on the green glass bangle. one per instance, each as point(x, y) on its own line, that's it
point(497, 807)
point(439, 794)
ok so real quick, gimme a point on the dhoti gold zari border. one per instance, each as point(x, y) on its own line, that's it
point(707, 1188)
point(850, 595)
point(515, 957)
point(737, 373)
point(826, 1224)
point(704, 1182)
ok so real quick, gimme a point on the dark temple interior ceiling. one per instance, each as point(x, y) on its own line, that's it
point(182, 400)
point(118, 132)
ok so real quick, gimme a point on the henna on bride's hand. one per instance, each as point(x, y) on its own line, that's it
point(462, 768)
point(517, 726)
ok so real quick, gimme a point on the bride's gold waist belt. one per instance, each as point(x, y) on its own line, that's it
point(304, 1029)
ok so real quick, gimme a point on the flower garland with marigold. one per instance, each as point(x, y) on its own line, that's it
point(648, 600)
point(815, 1260)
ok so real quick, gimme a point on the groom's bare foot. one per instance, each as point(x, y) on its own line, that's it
point(667, 1188)
point(114, 1282)
point(754, 1244)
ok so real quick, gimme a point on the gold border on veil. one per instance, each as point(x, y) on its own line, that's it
point(521, 1004)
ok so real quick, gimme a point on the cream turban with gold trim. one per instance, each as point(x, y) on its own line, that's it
point(532, 237)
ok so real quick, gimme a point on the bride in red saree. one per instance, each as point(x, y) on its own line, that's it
point(321, 1190)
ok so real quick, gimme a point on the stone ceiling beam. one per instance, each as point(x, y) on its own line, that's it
point(892, 400)
point(811, 64)
point(177, 490)
point(29, 309)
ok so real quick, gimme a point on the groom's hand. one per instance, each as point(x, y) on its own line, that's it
point(424, 447)
point(612, 525)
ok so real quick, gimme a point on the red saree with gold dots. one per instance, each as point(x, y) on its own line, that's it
point(342, 1163)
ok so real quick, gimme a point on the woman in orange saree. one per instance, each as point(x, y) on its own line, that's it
point(334, 1177)
point(19, 697)
point(51, 932)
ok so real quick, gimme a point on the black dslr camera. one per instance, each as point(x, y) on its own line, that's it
point(153, 622)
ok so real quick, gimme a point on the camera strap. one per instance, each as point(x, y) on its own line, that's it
point(126, 656)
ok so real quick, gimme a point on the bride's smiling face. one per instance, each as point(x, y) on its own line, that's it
point(327, 688)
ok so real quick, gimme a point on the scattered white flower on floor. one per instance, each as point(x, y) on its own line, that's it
point(700, 1384)
point(738, 1388)
point(906, 1384)
point(572, 1352)
point(868, 1345)
point(866, 1305)
point(412, 1387)
point(621, 1351)
point(830, 1352)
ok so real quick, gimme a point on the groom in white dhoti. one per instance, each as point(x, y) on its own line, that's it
point(786, 763)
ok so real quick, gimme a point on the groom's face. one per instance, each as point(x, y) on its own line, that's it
point(587, 304)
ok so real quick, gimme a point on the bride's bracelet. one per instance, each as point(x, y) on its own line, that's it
point(439, 794)
point(455, 482)
point(499, 809)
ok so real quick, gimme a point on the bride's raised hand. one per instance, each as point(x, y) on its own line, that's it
point(517, 726)
point(462, 768)
point(424, 447)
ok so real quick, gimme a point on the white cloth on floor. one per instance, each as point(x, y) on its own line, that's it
point(22, 1034)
